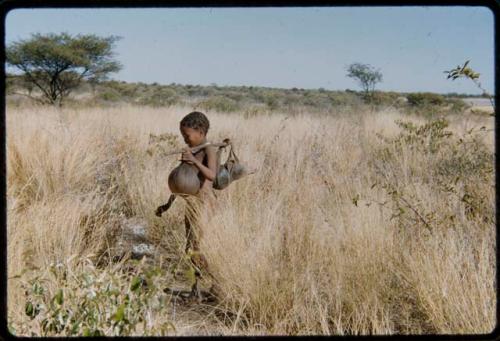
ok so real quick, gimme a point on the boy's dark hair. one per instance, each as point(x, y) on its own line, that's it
point(196, 120)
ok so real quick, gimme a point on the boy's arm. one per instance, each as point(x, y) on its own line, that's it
point(208, 172)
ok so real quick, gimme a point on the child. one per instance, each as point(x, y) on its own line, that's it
point(194, 128)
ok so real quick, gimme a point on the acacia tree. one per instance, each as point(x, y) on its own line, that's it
point(57, 63)
point(366, 76)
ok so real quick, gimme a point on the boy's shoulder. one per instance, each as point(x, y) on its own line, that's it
point(211, 149)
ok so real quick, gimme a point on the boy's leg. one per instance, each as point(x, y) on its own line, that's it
point(210, 204)
point(208, 198)
point(191, 242)
point(193, 229)
point(193, 233)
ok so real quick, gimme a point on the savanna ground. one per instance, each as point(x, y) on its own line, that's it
point(356, 222)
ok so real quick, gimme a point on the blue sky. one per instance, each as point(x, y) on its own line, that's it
point(307, 47)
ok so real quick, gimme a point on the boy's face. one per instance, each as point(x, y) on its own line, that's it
point(192, 137)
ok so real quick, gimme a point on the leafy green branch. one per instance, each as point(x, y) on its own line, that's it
point(466, 72)
point(91, 302)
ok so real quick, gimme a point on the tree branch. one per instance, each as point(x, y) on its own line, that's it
point(33, 79)
point(31, 97)
point(416, 212)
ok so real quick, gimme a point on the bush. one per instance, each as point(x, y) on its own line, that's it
point(456, 167)
point(431, 105)
point(83, 300)
point(160, 97)
point(457, 105)
point(271, 100)
point(384, 98)
point(220, 104)
point(235, 96)
point(426, 138)
point(127, 90)
point(421, 99)
point(343, 98)
point(292, 100)
point(109, 95)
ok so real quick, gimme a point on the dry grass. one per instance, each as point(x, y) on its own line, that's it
point(304, 246)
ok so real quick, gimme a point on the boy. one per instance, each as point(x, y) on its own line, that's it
point(194, 128)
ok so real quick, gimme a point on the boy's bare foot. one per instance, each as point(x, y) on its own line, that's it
point(164, 207)
point(196, 292)
point(159, 210)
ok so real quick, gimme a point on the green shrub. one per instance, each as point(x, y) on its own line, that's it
point(109, 94)
point(235, 96)
point(457, 105)
point(86, 301)
point(338, 98)
point(384, 98)
point(292, 100)
point(219, 103)
point(160, 97)
point(457, 167)
point(425, 99)
point(271, 100)
point(426, 138)
point(126, 90)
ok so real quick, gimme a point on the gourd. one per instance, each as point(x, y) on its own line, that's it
point(184, 179)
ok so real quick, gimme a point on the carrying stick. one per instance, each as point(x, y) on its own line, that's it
point(225, 143)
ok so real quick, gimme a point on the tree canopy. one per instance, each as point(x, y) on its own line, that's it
point(57, 63)
point(365, 75)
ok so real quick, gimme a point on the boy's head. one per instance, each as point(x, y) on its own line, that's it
point(194, 127)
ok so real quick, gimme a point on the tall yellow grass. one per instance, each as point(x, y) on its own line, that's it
point(291, 247)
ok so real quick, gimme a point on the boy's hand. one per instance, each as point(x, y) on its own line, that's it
point(188, 156)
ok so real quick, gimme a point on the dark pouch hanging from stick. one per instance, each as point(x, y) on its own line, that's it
point(231, 170)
